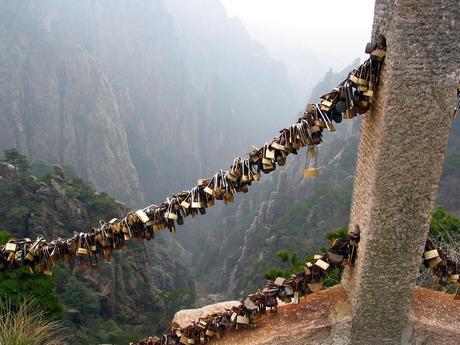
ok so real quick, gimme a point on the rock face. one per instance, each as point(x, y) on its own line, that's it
point(323, 318)
point(56, 102)
point(137, 98)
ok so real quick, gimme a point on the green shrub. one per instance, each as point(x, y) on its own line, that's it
point(18, 160)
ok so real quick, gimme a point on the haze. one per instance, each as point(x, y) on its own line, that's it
point(309, 36)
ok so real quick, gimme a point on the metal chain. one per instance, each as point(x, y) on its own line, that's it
point(351, 97)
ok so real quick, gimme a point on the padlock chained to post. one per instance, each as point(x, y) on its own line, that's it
point(255, 306)
point(311, 279)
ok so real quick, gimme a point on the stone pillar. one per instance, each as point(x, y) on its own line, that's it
point(401, 153)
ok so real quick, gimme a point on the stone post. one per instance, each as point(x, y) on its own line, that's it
point(401, 152)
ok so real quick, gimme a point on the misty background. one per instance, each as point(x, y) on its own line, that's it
point(310, 37)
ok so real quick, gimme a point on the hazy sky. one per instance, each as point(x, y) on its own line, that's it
point(309, 35)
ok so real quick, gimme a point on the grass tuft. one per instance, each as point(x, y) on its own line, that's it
point(28, 325)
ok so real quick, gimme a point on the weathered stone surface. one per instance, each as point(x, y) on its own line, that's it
point(401, 153)
point(324, 318)
point(184, 317)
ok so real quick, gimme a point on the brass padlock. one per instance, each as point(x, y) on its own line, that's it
point(430, 254)
point(82, 252)
point(269, 153)
point(311, 161)
point(378, 54)
point(434, 262)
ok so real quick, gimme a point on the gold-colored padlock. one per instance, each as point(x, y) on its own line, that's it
point(311, 161)
point(82, 252)
point(430, 254)
point(434, 262)
point(378, 54)
point(311, 172)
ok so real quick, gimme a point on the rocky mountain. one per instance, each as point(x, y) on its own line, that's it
point(134, 294)
point(138, 97)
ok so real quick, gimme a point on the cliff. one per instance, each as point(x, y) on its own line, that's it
point(133, 95)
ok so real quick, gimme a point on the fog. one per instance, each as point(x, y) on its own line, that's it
point(309, 36)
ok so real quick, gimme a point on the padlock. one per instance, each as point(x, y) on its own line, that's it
point(453, 278)
point(434, 262)
point(201, 182)
point(142, 216)
point(378, 54)
point(430, 254)
point(279, 281)
point(311, 161)
point(183, 339)
point(244, 320)
point(322, 264)
point(10, 247)
point(82, 252)
point(296, 298)
point(326, 105)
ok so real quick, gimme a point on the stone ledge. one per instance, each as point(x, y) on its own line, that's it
point(324, 318)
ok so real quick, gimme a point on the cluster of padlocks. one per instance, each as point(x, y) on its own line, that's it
point(341, 253)
point(352, 96)
point(251, 309)
point(446, 269)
